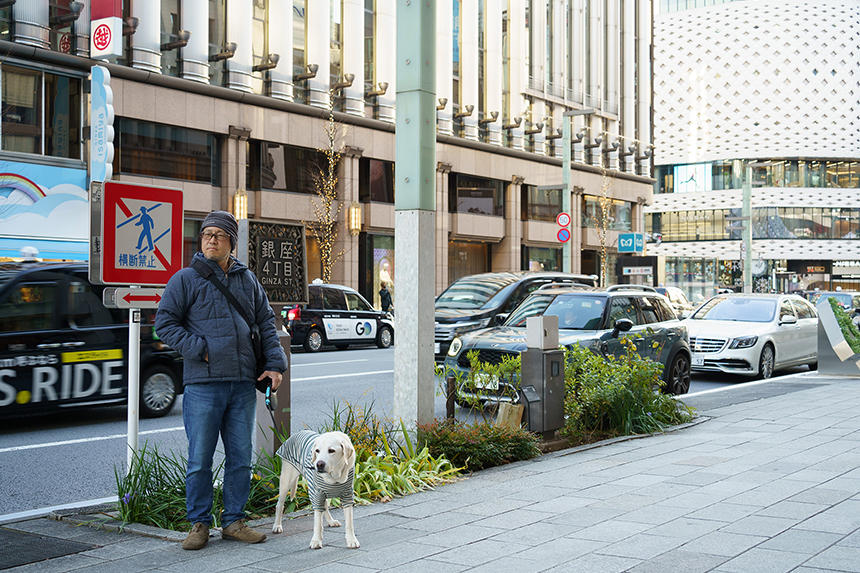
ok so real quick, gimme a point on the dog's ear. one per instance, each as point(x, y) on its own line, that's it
point(348, 451)
point(314, 449)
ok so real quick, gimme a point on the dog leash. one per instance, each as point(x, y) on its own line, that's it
point(269, 407)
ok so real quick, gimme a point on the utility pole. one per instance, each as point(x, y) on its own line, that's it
point(575, 224)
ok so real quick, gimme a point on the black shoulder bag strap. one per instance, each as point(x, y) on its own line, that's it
point(204, 271)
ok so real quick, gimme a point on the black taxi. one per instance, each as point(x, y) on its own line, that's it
point(337, 315)
point(60, 347)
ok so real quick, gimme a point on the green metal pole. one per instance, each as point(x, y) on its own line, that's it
point(567, 255)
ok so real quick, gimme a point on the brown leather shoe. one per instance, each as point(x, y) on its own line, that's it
point(241, 532)
point(197, 538)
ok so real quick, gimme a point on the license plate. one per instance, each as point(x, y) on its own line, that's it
point(437, 348)
point(698, 360)
point(486, 381)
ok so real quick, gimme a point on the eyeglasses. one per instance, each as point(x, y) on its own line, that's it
point(207, 236)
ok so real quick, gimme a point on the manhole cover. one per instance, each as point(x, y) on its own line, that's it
point(19, 548)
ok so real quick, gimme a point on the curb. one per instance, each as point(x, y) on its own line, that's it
point(104, 516)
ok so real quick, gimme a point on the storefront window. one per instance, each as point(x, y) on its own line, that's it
point(540, 205)
point(541, 259)
point(619, 215)
point(161, 150)
point(376, 180)
point(476, 195)
point(283, 167)
point(27, 112)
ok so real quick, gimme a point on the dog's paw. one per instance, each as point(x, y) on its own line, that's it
point(352, 543)
point(333, 523)
point(316, 544)
point(277, 528)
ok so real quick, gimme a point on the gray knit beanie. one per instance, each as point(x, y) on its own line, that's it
point(225, 221)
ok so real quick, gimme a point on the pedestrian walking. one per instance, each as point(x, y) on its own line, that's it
point(219, 374)
point(147, 223)
point(385, 297)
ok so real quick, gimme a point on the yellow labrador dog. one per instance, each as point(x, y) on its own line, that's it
point(327, 461)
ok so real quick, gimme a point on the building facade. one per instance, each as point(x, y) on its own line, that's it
point(772, 85)
point(230, 98)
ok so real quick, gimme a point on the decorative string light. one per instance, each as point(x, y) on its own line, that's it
point(602, 223)
point(325, 205)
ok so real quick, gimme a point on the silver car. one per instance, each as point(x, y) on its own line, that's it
point(753, 334)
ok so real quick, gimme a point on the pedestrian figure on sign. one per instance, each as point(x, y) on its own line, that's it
point(147, 223)
point(385, 297)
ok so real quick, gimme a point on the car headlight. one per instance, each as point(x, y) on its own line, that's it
point(455, 347)
point(744, 342)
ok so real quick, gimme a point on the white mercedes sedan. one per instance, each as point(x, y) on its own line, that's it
point(753, 334)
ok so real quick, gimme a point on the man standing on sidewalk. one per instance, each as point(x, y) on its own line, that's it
point(219, 372)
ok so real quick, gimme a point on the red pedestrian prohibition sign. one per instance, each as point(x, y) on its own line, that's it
point(102, 36)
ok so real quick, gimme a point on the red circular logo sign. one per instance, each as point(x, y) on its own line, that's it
point(65, 44)
point(102, 36)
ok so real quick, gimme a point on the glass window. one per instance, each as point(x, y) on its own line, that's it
point(621, 307)
point(737, 308)
point(63, 116)
point(299, 26)
point(283, 167)
point(335, 40)
point(475, 195)
point(85, 306)
point(315, 297)
point(217, 39)
point(171, 23)
point(577, 312)
point(369, 46)
point(167, 151)
point(619, 214)
point(541, 259)
point(785, 309)
point(333, 299)
point(355, 302)
point(541, 205)
point(29, 307)
point(803, 309)
point(6, 23)
point(648, 308)
point(22, 110)
point(376, 180)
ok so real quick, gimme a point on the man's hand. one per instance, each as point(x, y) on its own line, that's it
point(275, 376)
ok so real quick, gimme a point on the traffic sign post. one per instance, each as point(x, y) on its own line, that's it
point(135, 239)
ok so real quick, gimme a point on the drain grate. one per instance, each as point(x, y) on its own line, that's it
point(19, 548)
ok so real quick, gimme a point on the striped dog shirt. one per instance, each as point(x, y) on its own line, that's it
point(298, 451)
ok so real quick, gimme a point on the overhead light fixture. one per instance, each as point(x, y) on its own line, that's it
point(597, 141)
point(344, 83)
point(556, 134)
point(383, 87)
point(310, 73)
point(269, 63)
point(536, 128)
point(461, 114)
point(494, 115)
point(73, 13)
point(514, 124)
point(181, 41)
point(611, 147)
point(227, 52)
point(353, 218)
point(443, 101)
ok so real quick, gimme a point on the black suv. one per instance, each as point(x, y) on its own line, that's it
point(591, 318)
point(472, 302)
point(337, 315)
point(60, 346)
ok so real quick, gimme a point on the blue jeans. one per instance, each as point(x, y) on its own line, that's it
point(227, 408)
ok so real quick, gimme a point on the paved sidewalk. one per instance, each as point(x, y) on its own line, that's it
point(770, 483)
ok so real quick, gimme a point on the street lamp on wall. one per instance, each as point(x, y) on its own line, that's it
point(269, 63)
point(240, 204)
point(180, 42)
point(227, 52)
point(353, 218)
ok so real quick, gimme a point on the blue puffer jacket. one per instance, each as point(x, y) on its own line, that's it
point(195, 318)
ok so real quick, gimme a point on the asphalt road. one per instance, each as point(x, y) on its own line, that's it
point(70, 457)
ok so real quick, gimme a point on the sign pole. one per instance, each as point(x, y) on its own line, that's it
point(133, 383)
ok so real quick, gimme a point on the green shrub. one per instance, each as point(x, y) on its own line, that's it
point(611, 396)
point(849, 329)
point(478, 445)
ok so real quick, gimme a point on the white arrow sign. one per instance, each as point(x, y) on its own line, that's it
point(132, 297)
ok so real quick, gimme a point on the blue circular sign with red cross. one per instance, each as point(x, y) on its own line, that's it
point(563, 235)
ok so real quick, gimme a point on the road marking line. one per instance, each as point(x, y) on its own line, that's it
point(335, 362)
point(21, 515)
point(342, 375)
point(741, 385)
point(87, 440)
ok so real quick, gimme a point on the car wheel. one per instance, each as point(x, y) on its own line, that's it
point(385, 337)
point(765, 362)
point(677, 376)
point(314, 340)
point(157, 391)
